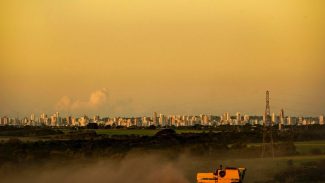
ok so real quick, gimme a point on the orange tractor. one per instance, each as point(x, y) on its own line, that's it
point(222, 175)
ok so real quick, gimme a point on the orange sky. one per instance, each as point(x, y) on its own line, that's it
point(133, 57)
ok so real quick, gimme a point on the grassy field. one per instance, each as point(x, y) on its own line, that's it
point(126, 132)
point(305, 147)
point(310, 147)
point(140, 131)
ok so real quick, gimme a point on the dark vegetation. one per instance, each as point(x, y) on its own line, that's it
point(85, 143)
point(28, 131)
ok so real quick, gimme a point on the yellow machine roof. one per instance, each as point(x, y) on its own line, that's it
point(204, 175)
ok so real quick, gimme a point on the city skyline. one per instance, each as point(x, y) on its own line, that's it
point(155, 116)
point(116, 58)
point(161, 120)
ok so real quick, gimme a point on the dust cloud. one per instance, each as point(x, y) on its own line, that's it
point(134, 168)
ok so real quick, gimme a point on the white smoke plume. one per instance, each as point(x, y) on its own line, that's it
point(97, 99)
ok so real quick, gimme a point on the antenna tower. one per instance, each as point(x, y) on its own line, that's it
point(267, 129)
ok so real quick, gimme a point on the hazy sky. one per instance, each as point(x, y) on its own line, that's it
point(133, 57)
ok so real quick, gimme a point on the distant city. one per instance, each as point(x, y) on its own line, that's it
point(55, 120)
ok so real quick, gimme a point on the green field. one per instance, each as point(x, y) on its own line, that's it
point(141, 132)
point(310, 147)
point(126, 132)
point(305, 147)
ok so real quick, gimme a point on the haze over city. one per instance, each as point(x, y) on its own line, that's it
point(131, 58)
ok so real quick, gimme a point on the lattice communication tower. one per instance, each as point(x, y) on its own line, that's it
point(268, 144)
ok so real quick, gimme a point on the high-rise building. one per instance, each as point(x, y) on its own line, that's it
point(226, 117)
point(282, 113)
point(222, 119)
point(274, 118)
point(289, 120)
point(144, 121)
point(32, 117)
point(246, 118)
point(264, 118)
point(204, 119)
point(58, 119)
point(25, 121)
point(321, 120)
point(282, 119)
point(128, 122)
point(238, 118)
point(43, 116)
point(154, 118)
point(5, 121)
point(42, 119)
point(73, 121)
point(96, 118)
point(54, 120)
point(138, 121)
point(300, 120)
point(69, 121)
point(162, 120)
point(83, 121)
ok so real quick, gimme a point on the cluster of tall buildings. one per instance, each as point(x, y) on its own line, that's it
point(160, 120)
